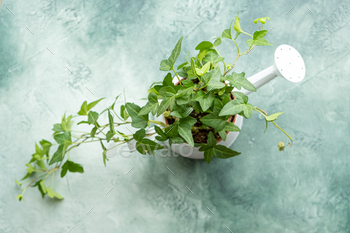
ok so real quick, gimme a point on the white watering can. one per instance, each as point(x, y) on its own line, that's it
point(288, 64)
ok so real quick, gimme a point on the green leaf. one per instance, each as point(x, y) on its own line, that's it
point(64, 169)
point(68, 124)
point(53, 194)
point(240, 96)
point(237, 27)
point(261, 20)
point(215, 85)
point(57, 128)
point(60, 152)
point(205, 100)
point(18, 183)
point(175, 140)
point(26, 176)
point(83, 109)
point(168, 64)
point(92, 117)
point(208, 155)
point(172, 130)
point(217, 42)
point(212, 57)
point(147, 146)
point(46, 145)
point(217, 106)
point(168, 80)
point(109, 135)
point(223, 152)
point(185, 133)
point(42, 185)
point(247, 111)
point(149, 107)
point(39, 188)
point(258, 39)
point(227, 33)
point(203, 70)
point(20, 197)
point(57, 156)
point(160, 132)
point(226, 99)
point(137, 120)
point(116, 98)
point(93, 104)
point(239, 81)
point(235, 107)
point(214, 121)
point(211, 141)
point(201, 55)
point(111, 122)
point(186, 89)
point(104, 157)
point(167, 91)
point(188, 121)
point(61, 138)
point(162, 139)
point(182, 65)
point(139, 135)
point(273, 117)
point(93, 132)
point(83, 122)
point(72, 167)
point(223, 134)
point(232, 108)
point(166, 102)
point(152, 98)
point(229, 126)
point(123, 112)
point(103, 146)
point(204, 45)
point(154, 83)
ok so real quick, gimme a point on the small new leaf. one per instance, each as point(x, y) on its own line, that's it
point(227, 33)
point(137, 121)
point(237, 27)
point(239, 81)
point(72, 167)
point(139, 135)
point(168, 64)
point(204, 45)
point(273, 117)
point(258, 39)
point(261, 20)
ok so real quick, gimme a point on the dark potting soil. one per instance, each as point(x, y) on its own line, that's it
point(199, 134)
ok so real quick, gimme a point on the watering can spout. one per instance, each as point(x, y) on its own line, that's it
point(288, 64)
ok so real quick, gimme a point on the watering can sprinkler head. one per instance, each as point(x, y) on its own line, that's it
point(288, 64)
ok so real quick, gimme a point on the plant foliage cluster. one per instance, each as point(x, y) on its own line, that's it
point(207, 89)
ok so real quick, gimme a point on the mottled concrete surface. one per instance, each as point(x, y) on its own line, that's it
point(111, 45)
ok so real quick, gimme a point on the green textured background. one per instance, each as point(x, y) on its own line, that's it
point(111, 45)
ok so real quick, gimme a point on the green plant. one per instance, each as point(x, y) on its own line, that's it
point(201, 102)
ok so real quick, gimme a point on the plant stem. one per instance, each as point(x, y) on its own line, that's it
point(283, 131)
point(178, 78)
point(158, 122)
point(238, 55)
point(236, 45)
point(247, 34)
point(220, 56)
point(262, 112)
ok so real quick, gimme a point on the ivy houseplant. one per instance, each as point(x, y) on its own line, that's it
point(199, 110)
